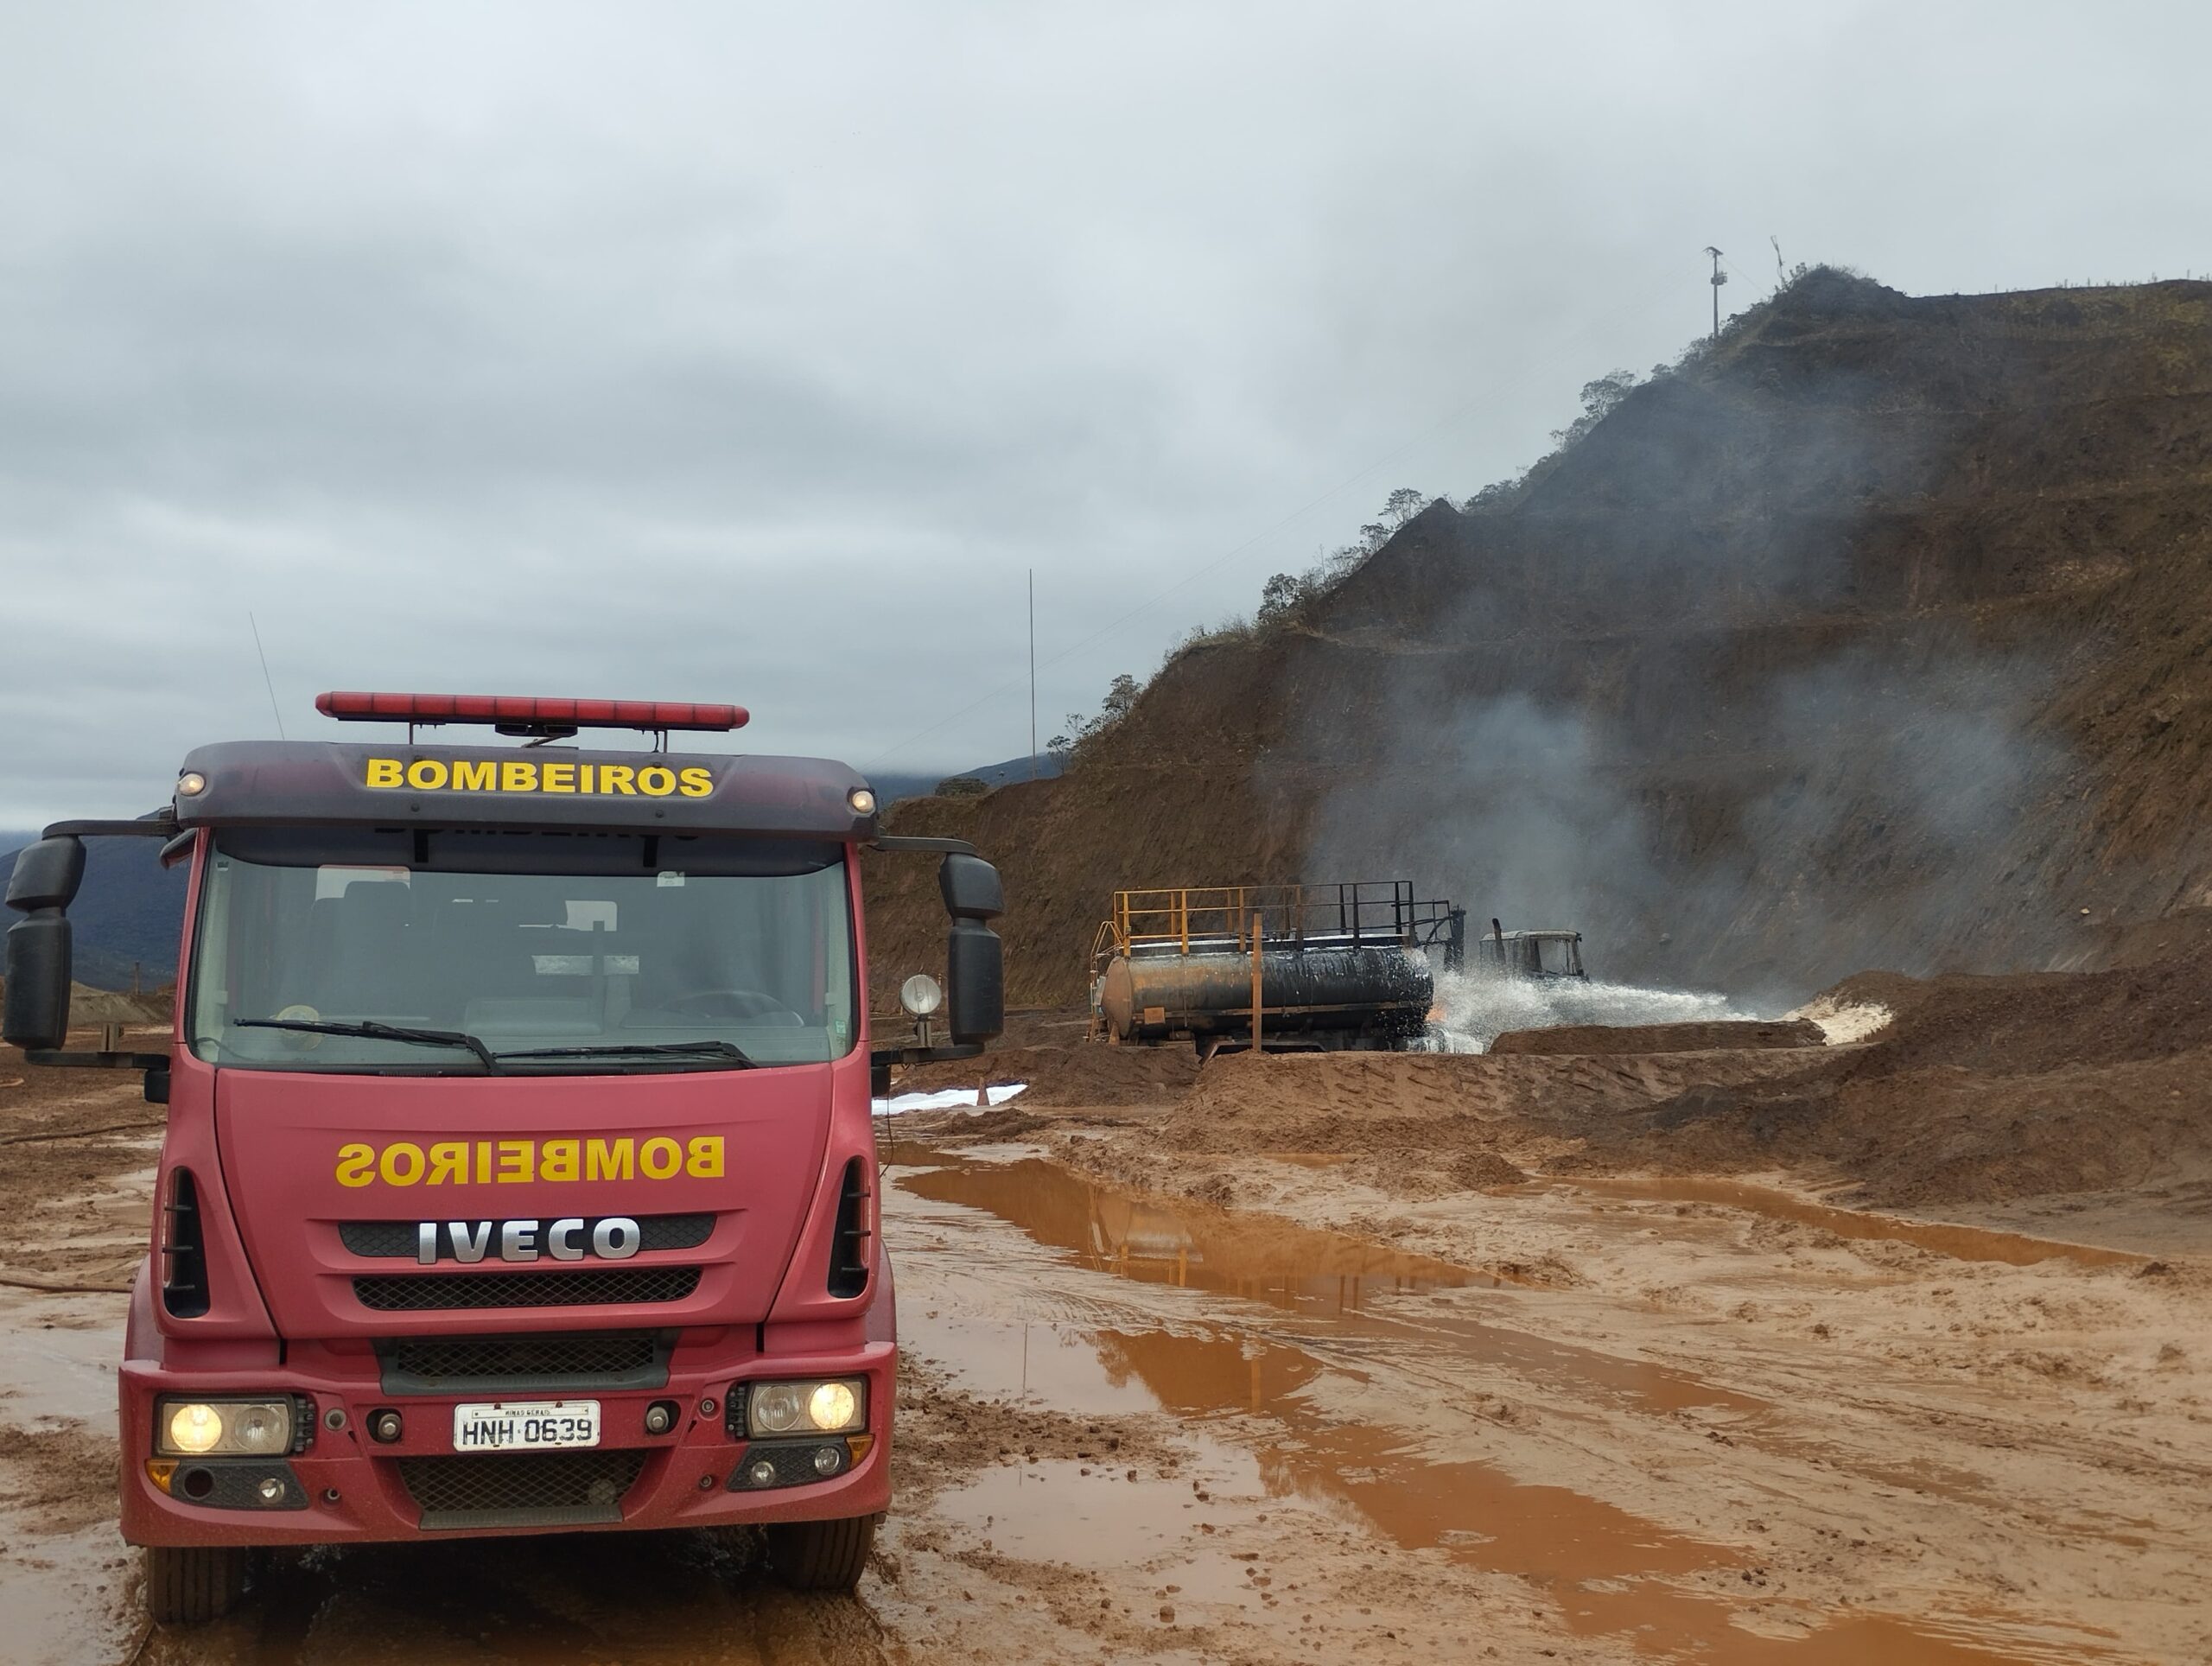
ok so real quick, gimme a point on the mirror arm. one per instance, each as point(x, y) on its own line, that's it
point(881, 1059)
point(56, 1060)
point(161, 824)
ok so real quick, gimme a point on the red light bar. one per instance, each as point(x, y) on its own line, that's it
point(526, 711)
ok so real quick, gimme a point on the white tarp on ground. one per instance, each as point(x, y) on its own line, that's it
point(945, 1099)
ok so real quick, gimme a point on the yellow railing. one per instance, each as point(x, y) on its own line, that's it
point(1224, 915)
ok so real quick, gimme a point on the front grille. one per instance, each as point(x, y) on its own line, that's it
point(521, 1365)
point(522, 1489)
point(393, 1240)
point(396, 1293)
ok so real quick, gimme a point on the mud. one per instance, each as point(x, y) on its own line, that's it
point(1664, 1038)
point(1943, 1239)
point(1307, 1385)
point(1368, 1412)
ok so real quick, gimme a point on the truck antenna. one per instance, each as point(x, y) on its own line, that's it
point(1033, 673)
point(265, 681)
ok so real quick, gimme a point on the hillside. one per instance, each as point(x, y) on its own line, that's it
point(1872, 634)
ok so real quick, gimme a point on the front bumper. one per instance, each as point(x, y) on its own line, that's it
point(343, 1487)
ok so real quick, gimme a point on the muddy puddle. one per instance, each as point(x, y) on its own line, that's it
point(1938, 1238)
point(1354, 1292)
point(1331, 1379)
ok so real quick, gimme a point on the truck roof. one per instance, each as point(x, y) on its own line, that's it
point(295, 783)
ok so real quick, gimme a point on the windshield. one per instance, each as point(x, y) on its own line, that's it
point(592, 952)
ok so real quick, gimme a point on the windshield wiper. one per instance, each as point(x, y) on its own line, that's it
point(725, 1049)
point(375, 1031)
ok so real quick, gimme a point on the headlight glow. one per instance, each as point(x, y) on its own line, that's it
point(820, 1406)
point(832, 1405)
point(195, 1428)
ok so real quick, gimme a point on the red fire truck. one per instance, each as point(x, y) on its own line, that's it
point(519, 1174)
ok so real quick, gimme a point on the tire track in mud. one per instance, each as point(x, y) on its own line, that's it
point(1518, 1427)
point(1374, 1459)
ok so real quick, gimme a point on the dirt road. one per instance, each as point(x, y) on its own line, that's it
point(1597, 1422)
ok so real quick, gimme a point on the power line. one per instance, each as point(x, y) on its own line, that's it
point(265, 681)
point(1033, 673)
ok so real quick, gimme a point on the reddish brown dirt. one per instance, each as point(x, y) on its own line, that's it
point(1604, 1425)
point(1951, 488)
point(1067, 1075)
point(1659, 1038)
point(1981, 1090)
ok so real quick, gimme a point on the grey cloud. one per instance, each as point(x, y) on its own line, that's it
point(701, 351)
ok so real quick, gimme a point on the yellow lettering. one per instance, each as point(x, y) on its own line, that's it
point(583, 778)
point(402, 1163)
point(483, 1162)
point(518, 777)
point(514, 1161)
point(383, 771)
point(656, 782)
point(559, 777)
point(706, 1160)
point(696, 782)
point(356, 1165)
point(449, 1164)
point(660, 1157)
point(556, 1160)
point(615, 777)
point(607, 1159)
point(474, 775)
point(427, 774)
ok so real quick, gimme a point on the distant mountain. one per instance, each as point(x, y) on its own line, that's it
point(128, 913)
point(890, 788)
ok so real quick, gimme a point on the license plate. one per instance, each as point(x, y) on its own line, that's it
point(526, 1425)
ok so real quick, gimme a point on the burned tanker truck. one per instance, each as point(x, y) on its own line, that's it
point(1278, 967)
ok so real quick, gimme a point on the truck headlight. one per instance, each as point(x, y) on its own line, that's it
point(195, 1428)
point(808, 1408)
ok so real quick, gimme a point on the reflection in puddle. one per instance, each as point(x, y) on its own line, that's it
point(1610, 1572)
point(1941, 1238)
point(1344, 1283)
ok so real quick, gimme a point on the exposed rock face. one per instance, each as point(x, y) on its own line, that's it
point(1875, 635)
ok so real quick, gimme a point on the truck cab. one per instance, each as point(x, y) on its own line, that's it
point(519, 1174)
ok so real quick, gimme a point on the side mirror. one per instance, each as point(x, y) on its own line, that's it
point(47, 875)
point(970, 888)
point(974, 960)
point(35, 1015)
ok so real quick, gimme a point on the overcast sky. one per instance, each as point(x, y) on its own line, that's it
point(719, 352)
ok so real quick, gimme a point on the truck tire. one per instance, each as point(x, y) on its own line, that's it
point(190, 1585)
point(821, 1556)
